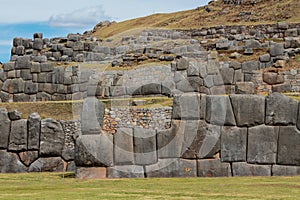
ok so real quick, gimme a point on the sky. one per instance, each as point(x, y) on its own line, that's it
point(57, 18)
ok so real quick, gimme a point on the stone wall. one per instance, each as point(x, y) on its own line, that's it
point(195, 67)
point(35, 144)
point(211, 136)
point(129, 117)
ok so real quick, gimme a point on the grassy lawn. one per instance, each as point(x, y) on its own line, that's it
point(53, 186)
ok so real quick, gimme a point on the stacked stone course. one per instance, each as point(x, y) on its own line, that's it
point(35, 144)
point(211, 136)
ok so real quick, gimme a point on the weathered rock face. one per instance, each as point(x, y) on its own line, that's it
point(289, 146)
point(4, 128)
point(248, 110)
point(52, 138)
point(123, 147)
point(28, 157)
point(213, 168)
point(9, 163)
point(92, 116)
point(281, 110)
point(187, 106)
point(233, 144)
point(262, 144)
point(244, 169)
point(144, 146)
point(34, 128)
point(219, 111)
point(94, 150)
point(54, 164)
point(169, 141)
point(125, 171)
point(18, 136)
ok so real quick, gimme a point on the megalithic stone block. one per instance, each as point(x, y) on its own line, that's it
point(262, 144)
point(187, 106)
point(52, 138)
point(52, 164)
point(187, 168)
point(144, 141)
point(10, 163)
point(200, 140)
point(169, 141)
point(249, 110)
point(288, 146)
point(282, 170)
point(164, 168)
point(18, 136)
point(123, 147)
point(125, 171)
point(245, 169)
point(233, 144)
point(4, 128)
point(213, 168)
point(94, 151)
point(219, 110)
point(92, 116)
point(34, 129)
point(281, 110)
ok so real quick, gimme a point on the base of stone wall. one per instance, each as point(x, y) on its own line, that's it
point(182, 168)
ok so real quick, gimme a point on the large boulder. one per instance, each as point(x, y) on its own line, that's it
point(227, 75)
point(200, 140)
point(52, 138)
point(125, 171)
point(28, 157)
point(144, 146)
point(123, 147)
point(245, 169)
point(23, 62)
point(250, 66)
point(91, 172)
point(4, 127)
point(164, 168)
point(92, 116)
point(249, 110)
point(18, 136)
point(94, 151)
point(213, 168)
point(233, 144)
point(187, 106)
point(273, 78)
point(54, 164)
point(219, 110)
point(10, 163)
point(281, 170)
point(169, 141)
point(288, 146)
point(276, 49)
point(34, 128)
point(262, 144)
point(281, 110)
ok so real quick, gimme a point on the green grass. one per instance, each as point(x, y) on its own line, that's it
point(53, 186)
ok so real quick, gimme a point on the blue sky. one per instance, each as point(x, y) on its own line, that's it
point(58, 18)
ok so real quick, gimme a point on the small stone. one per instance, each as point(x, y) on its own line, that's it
point(235, 55)
point(15, 115)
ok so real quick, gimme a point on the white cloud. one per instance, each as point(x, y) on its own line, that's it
point(5, 42)
point(79, 18)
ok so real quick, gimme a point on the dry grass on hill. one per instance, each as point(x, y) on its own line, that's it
point(263, 12)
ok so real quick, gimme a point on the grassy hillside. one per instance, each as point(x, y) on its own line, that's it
point(264, 11)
